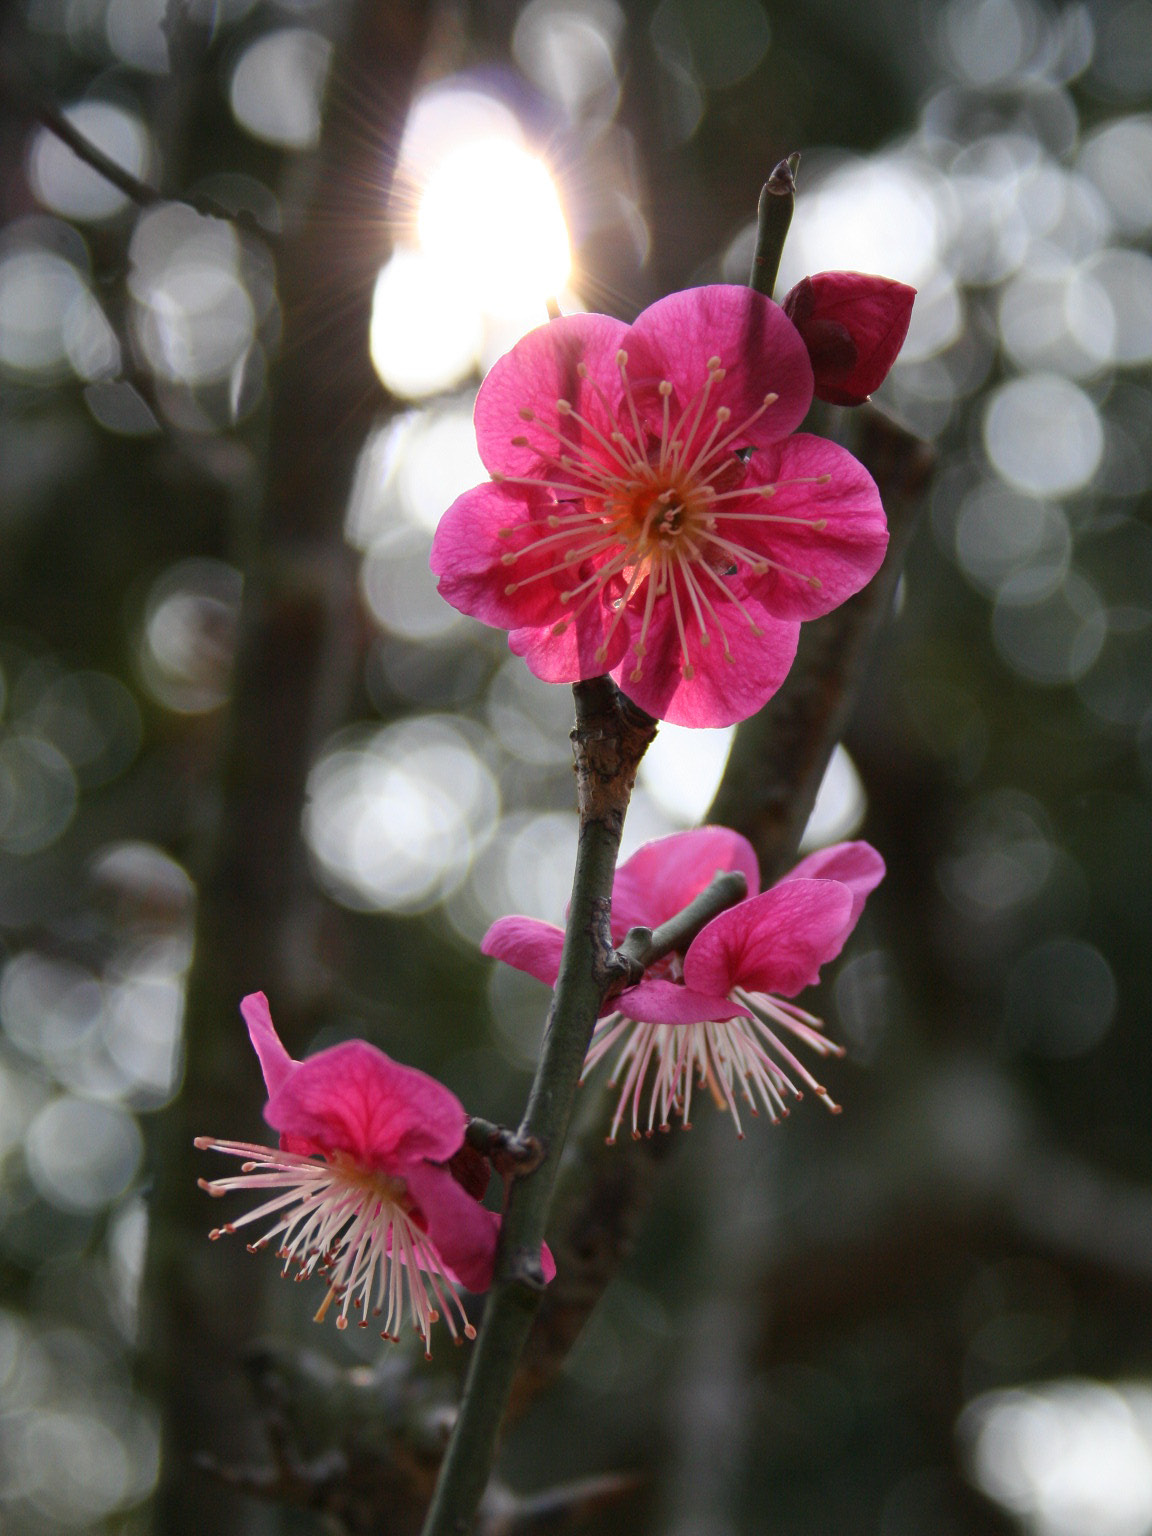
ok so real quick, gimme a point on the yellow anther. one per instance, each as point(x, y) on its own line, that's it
point(713, 362)
point(581, 370)
point(621, 358)
point(723, 414)
point(520, 442)
point(823, 479)
point(564, 407)
point(525, 414)
point(504, 533)
point(664, 388)
point(509, 559)
point(771, 398)
point(688, 671)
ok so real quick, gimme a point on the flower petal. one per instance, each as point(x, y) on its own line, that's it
point(758, 346)
point(775, 942)
point(474, 536)
point(463, 1231)
point(836, 543)
point(670, 1002)
point(733, 676)
point(527, 944)
point(664, 876)
point(538, 371)
point(352, 1098)
point(853, 325)
point(577, 652)
point(856, 865)
point(275, 1062)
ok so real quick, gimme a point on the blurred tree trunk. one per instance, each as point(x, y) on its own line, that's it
point(293, 676)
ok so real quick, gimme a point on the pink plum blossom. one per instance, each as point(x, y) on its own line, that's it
point(853, 325)
point(362, 1189)
point(718, 1014)
point(652, 512)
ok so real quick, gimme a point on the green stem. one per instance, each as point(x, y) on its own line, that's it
point(642, 947)
point(773, 216)
point(610, 738)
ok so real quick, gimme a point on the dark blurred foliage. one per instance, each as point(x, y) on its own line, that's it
point(928, 1315)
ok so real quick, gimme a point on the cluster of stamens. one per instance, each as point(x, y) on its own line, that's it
point(730, 1058)
point(654, 515)
point(352, 1226)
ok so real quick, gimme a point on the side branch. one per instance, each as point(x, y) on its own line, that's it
point(643, 947)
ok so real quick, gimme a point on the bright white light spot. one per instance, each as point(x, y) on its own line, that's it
point(567, 48)
point(840, 804)
point(1043, 434)
point(64, 183)
point(81, 1155)
point(882, 215)
point(39, 292)
point(426, 332)
point(445, 117)
point(1070, 1458)
point(394, 818)
point(277, 84)
point(491, 218)
point(682, 769)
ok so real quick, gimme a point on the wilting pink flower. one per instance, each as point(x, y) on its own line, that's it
point(715, 1014)
point(853, 326)
point(652, 512)
point(360, 1190)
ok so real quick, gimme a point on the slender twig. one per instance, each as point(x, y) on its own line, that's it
point(611, 736)
point(773, 217)
point(36, 105)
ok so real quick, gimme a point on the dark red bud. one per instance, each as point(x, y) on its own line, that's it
point(853, 325)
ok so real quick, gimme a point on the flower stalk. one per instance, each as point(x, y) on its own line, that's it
point(610, 738)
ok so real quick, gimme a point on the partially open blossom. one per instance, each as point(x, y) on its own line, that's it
point(652, 512)
point(361, 1189)
point(717, 1015)
point(853, 325)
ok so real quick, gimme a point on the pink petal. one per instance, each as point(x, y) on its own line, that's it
point(670, 1002)
point(527, 944)
point(853, 326)
point(352, 1098)
point(841, 557)
point(775, 942)
point(856, 865)
point(463, 1231)
point(578, 652)
point(758, 346)
point(275, 1062)
point(539, 371)
point(664, 876)
point(725, 688)
point(478, 530)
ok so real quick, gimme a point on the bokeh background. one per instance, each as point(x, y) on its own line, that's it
point(931, 1315)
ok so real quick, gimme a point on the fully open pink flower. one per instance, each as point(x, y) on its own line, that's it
point(360, 1188)
point(712, 1015)
point(652, 512)
point(853, 325)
